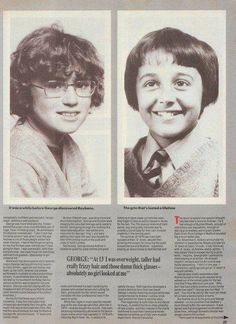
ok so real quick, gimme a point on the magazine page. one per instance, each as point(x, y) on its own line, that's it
point(118, 162)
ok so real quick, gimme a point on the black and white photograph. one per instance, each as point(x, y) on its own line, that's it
point(172, 107)
point(118, 162)
point(57, 102)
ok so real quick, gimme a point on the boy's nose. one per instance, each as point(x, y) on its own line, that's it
point(166, 97)
point(70, 97)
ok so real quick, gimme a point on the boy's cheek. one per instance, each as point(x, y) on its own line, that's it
point(146, 102)
point(147, 119)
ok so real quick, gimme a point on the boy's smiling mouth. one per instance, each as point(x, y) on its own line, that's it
point(164, 113)
point(168, 114)
point(68, 113)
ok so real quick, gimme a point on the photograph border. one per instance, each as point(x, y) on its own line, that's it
point(124, 22)
point(8, 15)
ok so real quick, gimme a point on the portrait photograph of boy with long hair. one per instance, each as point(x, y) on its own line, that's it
point(57, 80)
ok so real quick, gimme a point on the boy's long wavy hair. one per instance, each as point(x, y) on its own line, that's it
point(46, 53)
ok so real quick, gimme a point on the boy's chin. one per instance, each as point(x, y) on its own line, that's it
point(68, 130)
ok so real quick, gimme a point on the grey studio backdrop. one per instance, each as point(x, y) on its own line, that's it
point(228, 210)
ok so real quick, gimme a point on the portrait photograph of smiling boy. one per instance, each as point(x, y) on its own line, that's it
point(171, 77)
point(57, 83)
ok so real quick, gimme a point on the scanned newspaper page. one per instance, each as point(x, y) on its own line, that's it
point(118, 159)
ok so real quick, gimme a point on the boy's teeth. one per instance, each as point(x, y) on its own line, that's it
point(166, 114)
point(72, 114)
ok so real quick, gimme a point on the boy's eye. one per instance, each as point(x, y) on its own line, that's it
point(54, 84)
point(151, 85)
point(82, 84)
point(181, 84)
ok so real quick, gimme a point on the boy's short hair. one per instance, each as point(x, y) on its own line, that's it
point(45, 53)
point(186, 50)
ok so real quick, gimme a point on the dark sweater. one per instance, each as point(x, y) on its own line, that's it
point(197, 177)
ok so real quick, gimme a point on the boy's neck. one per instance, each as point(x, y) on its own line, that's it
point(51, 138)
point(163, 142)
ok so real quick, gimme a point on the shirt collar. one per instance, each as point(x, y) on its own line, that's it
point(179, 151)
point(149, 148)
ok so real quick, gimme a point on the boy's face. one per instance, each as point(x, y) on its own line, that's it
point(169, 97)
point(57, 116)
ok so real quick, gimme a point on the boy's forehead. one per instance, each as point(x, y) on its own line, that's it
point(60, 75)
point(158, 56)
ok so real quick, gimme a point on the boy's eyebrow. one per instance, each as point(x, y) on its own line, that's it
point(179, 74)
point(152, 75)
